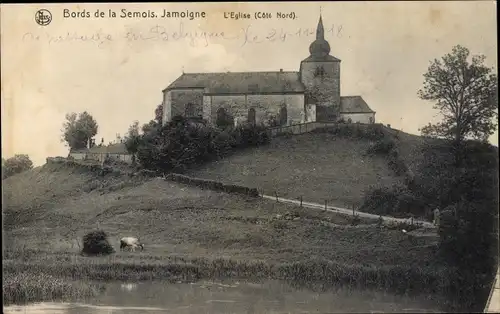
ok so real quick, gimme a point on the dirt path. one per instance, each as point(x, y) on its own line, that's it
point(348, 211)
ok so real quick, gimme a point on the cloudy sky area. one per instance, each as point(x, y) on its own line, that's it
point(385, 49)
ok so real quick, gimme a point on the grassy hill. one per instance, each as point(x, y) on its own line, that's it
point(195, 233)
point(53, 206)
point(190, 233)
point(317, 166)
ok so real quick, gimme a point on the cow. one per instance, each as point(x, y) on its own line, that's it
point(131, 243)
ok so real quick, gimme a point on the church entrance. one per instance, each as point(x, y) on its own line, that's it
point(283, 116)
point(251, 116)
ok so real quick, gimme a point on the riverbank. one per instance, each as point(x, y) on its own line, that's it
point(192, 234)
point(54, 276)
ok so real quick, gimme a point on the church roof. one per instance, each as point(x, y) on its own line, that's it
point(354, 104)
point(241, 82)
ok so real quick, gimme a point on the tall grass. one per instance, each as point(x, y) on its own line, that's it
point(31, 286)
point(397, 279)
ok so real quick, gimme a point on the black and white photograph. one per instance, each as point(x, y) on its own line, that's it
point(250, 157)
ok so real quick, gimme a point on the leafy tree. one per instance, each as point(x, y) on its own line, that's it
point(182, 143)
point(159, 114)
point(465, 93)
point(133, 139)
point(156, 122)
point(79, 129)
point(17, 164)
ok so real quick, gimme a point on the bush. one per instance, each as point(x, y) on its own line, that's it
point(395, 201)
point(14, 165)
point(182, 144)
point(96, 243)
point(373, 132)
point(383, 146)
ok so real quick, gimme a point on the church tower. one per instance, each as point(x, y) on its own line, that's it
point(320, 73)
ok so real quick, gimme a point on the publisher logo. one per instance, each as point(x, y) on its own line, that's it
point(43, 17)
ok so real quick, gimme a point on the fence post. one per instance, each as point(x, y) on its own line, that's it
point(353, 213)
point(301, 201)
point(276, 193)
point(325, 204)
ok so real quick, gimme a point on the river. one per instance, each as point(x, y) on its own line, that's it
point(230, 297)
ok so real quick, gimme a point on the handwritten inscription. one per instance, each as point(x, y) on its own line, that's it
point(245, 35)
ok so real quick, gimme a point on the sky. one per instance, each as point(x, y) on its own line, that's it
point(116, 67)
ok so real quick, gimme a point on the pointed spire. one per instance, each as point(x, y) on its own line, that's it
point(320, 31)
point(319, 47)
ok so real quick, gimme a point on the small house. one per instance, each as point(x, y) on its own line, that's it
point(78, 154)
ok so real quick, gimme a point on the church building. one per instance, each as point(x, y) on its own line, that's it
point(269, 98)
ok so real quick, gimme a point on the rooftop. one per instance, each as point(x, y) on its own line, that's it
point(354, 104)
point(241, 82)
point(116, 148)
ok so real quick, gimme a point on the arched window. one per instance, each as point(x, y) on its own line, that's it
point(251, 116)
point(190, 110)
point(372, 120)
point(224, 119)
point(349, 120)
point(283, 115)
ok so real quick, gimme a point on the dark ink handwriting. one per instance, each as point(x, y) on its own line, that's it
point(246, 35)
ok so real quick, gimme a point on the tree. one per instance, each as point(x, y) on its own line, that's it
point(14, 165)
point(79, 129)
point(159, 114)
point(465, 93)
point(133, 139)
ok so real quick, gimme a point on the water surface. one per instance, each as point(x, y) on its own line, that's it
point(231, 297)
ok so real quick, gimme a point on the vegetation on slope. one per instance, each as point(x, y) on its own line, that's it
point(215, 234)
point(183, 143)
point(317, 166)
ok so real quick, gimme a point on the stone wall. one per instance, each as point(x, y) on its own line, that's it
point(324, 89)
point(358, 117)
point(265, 106)
point(175, 101)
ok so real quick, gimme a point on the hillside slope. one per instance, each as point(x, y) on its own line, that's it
point(53, 206)
point(317, 166)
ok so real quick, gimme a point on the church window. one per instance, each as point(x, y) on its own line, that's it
point(224, 119)
point(320, 71)
point(283, 115)
point(251, 116)
point(190, 110)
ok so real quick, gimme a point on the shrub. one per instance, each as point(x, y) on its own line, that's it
point(383, 146)
point(96, 243)
point(397, 201)
point(182, 144)
point(371, 132)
